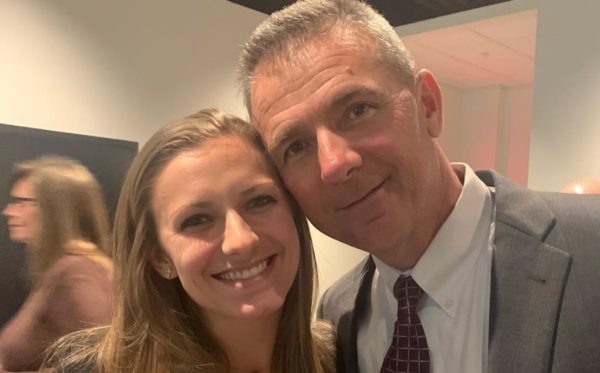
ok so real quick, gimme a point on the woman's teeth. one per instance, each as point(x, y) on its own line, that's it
point(245, 274)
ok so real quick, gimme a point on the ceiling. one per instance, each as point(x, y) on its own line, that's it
point(488, 52)
point(398, 12)
point(495, 51)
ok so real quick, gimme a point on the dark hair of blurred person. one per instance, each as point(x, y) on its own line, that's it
point(191, 297)
point(57, 211)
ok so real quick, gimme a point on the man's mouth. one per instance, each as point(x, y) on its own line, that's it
point(246, 273)
point(365, 196)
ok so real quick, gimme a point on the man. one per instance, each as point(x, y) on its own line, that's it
point(467, 272)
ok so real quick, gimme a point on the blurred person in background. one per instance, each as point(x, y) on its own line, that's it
point(57, 211)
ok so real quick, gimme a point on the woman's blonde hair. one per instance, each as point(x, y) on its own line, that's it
point(72, 216)
point(155, 327)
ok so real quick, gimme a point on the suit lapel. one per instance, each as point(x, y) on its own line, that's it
point(361, 299)
point(528, 281)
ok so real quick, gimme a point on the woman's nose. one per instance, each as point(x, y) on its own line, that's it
point(238, 236)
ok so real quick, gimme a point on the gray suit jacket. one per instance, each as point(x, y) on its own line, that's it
point(545, 289)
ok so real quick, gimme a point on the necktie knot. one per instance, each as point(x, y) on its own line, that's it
point(406, 288)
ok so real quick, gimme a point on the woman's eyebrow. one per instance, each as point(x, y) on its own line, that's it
point(254, 188)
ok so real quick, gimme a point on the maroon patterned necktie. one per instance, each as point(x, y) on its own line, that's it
point(408, 352)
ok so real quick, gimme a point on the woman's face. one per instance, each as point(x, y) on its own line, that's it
point(22, 212)
point(225, 225)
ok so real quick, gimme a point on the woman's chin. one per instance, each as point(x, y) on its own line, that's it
point(252, 310)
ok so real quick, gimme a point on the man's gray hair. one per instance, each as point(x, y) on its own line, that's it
point(285, 31)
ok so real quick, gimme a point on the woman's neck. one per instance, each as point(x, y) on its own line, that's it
point(247, 342)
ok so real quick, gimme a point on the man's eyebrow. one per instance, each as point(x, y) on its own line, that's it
point(345, 95)
point(288, 132)
point(340, 98)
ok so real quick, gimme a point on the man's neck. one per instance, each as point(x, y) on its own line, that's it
point(439, 207)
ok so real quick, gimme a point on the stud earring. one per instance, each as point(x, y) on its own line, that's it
point(168, 272)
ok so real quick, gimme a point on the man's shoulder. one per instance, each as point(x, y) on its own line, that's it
point(518, 202)
point(340, 297)
point(566, 221)
point(573, 204)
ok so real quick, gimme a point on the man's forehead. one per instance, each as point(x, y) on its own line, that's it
point(274, 84)
point(301, 52)
point(279, 102)
point(283, 64)
point(280, 75)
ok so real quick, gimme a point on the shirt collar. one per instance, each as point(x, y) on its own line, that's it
point(443, 268)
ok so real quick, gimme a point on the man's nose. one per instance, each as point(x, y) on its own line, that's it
point(238, 236)
point(337, 160)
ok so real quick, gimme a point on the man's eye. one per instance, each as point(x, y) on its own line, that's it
point(359, 111)
point(260, 201)
point(295, 149)
point(195, 221)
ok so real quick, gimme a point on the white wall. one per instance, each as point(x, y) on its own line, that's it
point(565, 138)
point(118, 68)
point(514, 133)
point(488, 127)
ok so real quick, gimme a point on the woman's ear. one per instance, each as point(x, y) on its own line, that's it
point(162, 264)
point(429, 98)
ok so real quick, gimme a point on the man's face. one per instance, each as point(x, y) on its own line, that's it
point(22, 212)
point(354, 146)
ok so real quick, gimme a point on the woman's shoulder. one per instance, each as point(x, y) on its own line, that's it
point(69, 263)
point(69, 267)
point(63, 275)
point(76, 293)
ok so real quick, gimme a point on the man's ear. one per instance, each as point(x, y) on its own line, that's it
point(163, 265)
point(429, 99)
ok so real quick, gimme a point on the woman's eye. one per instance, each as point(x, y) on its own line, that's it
point(359, 111)
point(260, 201)
point(194, 221)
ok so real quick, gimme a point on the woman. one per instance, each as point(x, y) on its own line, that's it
point(58, 212)
point(214, 263)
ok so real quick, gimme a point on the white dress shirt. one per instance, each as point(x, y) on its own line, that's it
point(455, 273)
